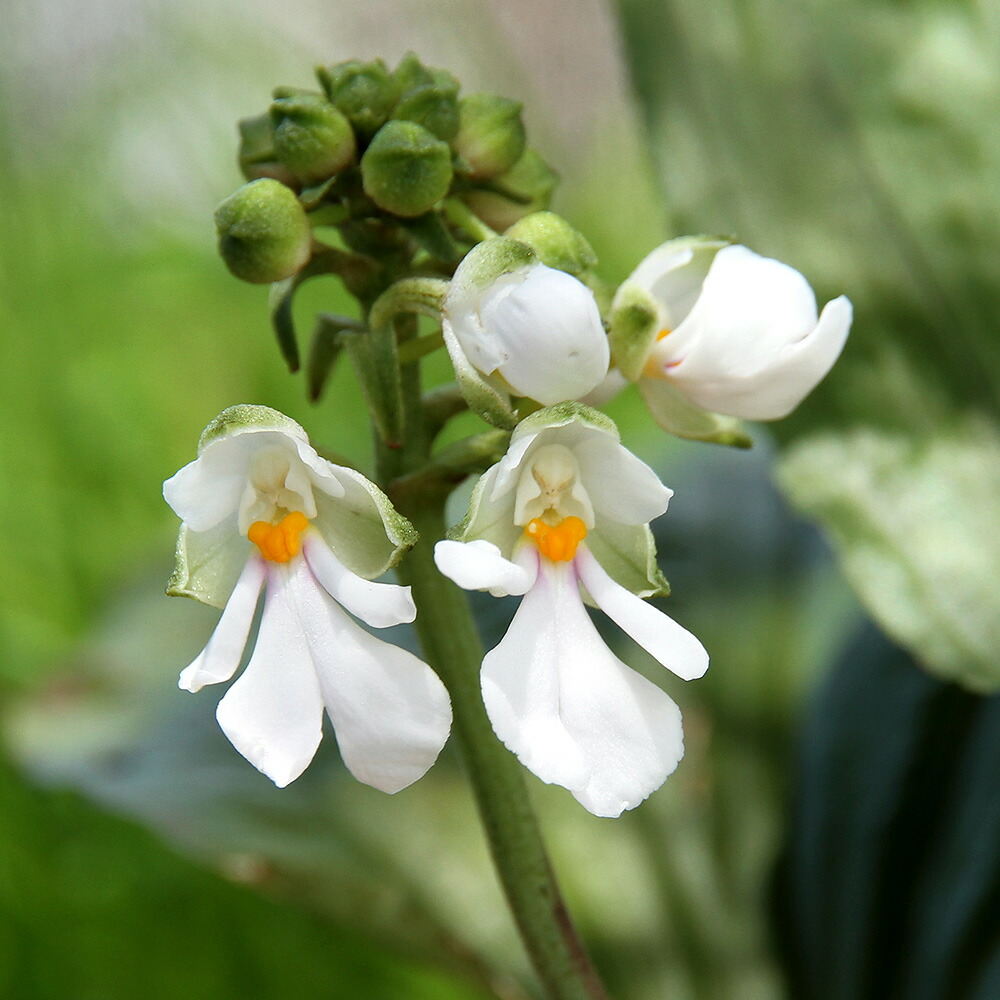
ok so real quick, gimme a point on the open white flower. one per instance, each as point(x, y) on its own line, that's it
point(263, 512)
point(514, 326)
point(732, 333)
point(569, 507)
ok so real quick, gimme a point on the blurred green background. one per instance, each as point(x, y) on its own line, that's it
point(140, 856)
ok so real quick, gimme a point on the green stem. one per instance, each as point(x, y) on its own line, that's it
point(452, 647)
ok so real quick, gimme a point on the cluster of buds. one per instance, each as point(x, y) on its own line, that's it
point(378, 153)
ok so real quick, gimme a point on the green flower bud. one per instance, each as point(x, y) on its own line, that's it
point(490, 137)
point(311, 137)
point(406, 170)
point(433, 105)
point(526, 188)
point(257, 156)
point(411, 73)
point(264, 235)
point(365, 92)
point(555, 241)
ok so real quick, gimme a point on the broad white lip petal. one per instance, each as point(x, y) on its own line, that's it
point(221, 656)
point(390, 711)
point(573, 713)
point(478, 565)
point(752, 346)
point(666, 641)
point(541, 330)
point(378, 604)
point(273, 713)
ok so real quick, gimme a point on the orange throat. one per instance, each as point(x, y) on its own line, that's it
point(557, 542)
point(279, 542)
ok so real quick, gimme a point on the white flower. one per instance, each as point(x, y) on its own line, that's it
point(735, 334)
point(567, 507)
point(522, 327)
point(263, 512)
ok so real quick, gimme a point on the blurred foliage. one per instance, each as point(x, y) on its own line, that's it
point(891, 882)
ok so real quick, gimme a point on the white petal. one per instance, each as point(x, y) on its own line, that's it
point(752, 347)
point(390, 711)
point(221, 656)
point(208, 489)
point(273, 714)
point(620, 485)
point(606, 390)
point(570, 709)
point(378, 604)
point(478, 565)
point(546, 325)
point(666, 641)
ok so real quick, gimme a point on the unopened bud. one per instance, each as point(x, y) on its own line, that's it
point(311, 137)
point(526, 188)
point(411, 73)
point(365, 92)
point(555, 242)
point(264, 234)
point(433, 105)
point(257, 156)
point(490, 137)
point(406, 170)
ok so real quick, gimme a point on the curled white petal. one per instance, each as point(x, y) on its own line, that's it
point(378, 604)
point(573, 713)
point(666, 641)
point(221, 656)
point(391, 714)
point(273, 713)
point(537, 327)
point(478, 565)
point(620, 485)
point(751, 345)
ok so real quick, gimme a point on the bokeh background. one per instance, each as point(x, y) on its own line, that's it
point(834, 831)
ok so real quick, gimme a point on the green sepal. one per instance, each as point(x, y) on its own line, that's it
point(677, 415)
point(555, 242)
point(634, 325)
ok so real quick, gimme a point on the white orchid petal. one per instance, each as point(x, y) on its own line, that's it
point(478, 565)
point(379, 604)
point(390, 711)
point(208, 490)
point(621, 486)
point(221, 656)
point(666, 641)
point(573, 713)
point(273, 713)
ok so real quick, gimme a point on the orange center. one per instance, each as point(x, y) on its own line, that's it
point(557, 542)
point(282, 541)
point(663, 333)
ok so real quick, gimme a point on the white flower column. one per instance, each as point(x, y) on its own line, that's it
point(568, 508)
point(724, 331)
point(263, 512)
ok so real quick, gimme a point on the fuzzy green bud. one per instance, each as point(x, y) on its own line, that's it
point(311, 137)
point(264, 235)
point(406, 170)
point(433, 105)
point(555, 242)
point(365, 92)
point(526, 188)
point(490, 137)
point(257, 156)
point(411, 73)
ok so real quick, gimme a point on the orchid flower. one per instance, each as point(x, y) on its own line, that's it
point(515, 327)
point(567, 508)
point(263, 512)
point(710, 330)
